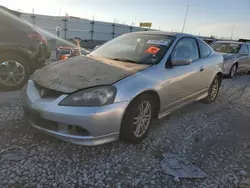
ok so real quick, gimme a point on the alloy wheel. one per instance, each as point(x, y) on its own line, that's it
point(12, 73)
point(214, 89)
point(233, 71)
point(142, 119)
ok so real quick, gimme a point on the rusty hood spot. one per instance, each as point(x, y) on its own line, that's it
point(82, 72)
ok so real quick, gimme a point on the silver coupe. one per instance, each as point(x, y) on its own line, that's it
point(236, 56)
point(119, 88)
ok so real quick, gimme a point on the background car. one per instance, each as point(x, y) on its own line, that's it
point(72, 49)
point(84, 51)
point(236, 56)
point(209, 41)
point(22, 50)
point(77, 52)
point(63, 52)
point(116, 92)
point(244, 40)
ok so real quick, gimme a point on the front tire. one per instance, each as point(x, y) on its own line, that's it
point(213, 90)
point(14, 72)
point(233, 71)
point(137, 119)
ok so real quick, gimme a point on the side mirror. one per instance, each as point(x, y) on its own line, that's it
point(180, 57)
point(180, 61)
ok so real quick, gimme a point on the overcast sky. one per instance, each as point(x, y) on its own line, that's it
point(207, 17)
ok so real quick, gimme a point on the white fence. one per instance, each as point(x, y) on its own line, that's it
point(75, 27)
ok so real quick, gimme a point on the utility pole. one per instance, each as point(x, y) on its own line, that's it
point(232, 31)
point(33, 16)
point(185, 19)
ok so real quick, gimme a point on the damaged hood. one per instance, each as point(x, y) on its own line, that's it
point(82, 72)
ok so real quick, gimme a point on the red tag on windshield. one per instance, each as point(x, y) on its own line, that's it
point(152, 50)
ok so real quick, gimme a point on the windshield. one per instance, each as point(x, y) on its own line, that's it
point(232, 48)
point(138, 48)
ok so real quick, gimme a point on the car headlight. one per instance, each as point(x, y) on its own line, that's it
point(97, 96)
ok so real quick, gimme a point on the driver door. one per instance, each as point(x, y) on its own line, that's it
point(184, 83)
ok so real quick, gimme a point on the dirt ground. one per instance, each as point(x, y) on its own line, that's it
point(215, 137)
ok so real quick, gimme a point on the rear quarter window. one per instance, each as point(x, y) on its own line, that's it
point(205, 50)
point(244, 49)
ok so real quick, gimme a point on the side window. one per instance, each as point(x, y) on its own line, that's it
point(186, 48)
point(244, 49)
point(204, 49)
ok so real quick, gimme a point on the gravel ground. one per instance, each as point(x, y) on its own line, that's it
point(215, 137)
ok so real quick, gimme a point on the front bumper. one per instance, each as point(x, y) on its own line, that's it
point(95, 125)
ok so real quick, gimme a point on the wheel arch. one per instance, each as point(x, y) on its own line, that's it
point(220, 76)
point(155, 96)
point(237, 64)
point(20, 53)
point(125, 131)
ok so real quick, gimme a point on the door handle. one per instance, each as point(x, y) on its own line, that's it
point(201, 69)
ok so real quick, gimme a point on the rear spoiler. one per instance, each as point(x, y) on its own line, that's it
point(13, 12)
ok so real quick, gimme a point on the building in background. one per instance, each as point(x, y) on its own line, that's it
point(90, 32)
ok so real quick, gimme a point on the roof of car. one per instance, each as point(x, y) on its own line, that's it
point(161, 33)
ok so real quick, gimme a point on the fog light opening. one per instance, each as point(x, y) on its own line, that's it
point(72, 130)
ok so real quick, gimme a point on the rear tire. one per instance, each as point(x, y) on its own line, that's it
point(14, 71)
point(233, 71)
point(213, 90)
point(135, 126)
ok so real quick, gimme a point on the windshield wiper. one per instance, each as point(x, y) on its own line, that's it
point(126, 60)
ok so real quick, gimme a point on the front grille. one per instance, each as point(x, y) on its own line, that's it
point(46, 93)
